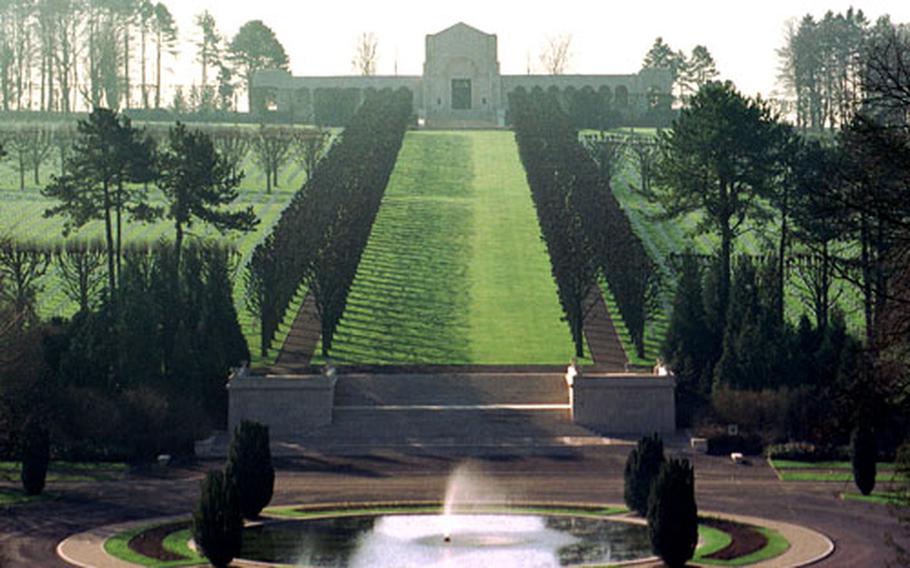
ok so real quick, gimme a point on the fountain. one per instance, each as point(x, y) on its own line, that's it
point(480, 525)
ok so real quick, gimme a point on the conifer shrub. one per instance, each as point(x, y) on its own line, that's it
point(642, 467)
point(217, 522)
point(250, 467)
point(36, 454)
point(863, 451)
point(672, 513)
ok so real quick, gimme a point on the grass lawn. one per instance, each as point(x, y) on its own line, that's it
point(663, 238)
point(790, 470)
point(876, 497)
point(21, 215)
point(68, 471)
point(455, 271)
point(791, 464)
point(176, 542)
point(776, 546)
point(10, 496)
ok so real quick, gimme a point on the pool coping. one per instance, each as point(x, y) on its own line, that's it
point(807, 546)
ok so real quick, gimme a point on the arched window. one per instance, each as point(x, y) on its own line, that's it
point(621, 96)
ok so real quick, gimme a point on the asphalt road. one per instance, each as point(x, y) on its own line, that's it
point(29, 533)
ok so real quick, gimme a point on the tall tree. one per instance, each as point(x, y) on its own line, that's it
point(165, 30)
point(256, 47)
point(662, 56)
point(700, 69)
point(365, 54)
point(199, 185)
point(208, 46)
point(107, 155)
point(556, 54)
point(719, 158)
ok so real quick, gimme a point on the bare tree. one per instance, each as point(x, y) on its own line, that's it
point(21, 266)
point(366, 54)
point(81, 266)
point(272, 148)
point(232, 143)
point(556, 54)
point(311, 146)
point(30, 147)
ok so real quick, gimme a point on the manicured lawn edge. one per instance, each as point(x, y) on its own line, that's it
point(11, 497)
point(876, 497)
point(793, 464)
point(118, 547)
point(776, 546)
point(713, 540)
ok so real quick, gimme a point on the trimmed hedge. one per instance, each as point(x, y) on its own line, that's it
point(249, 466)
point(322, 233)
point(642, 466)
point(217, 522)
point(583, 224)
point(673, 514)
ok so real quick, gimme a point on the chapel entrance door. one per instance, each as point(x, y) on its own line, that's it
point(461, 94)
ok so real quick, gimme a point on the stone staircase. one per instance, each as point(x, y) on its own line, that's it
point(466, 414)
point(470, 410)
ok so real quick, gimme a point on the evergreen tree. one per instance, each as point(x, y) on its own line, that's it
point(198, 185)
point(256, 47)
point(109, 155)
point(688, 344)
point(721, 156)
point(249, 466)
point(863, 453)
point(642, 466)
point(217, 522)
point(35, 456)
point(673, 514)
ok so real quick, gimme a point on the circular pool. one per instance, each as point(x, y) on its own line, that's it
point(463, 540)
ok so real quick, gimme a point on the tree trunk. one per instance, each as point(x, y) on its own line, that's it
point(781, 261)
point(119, 207)
point(126, 64)
point(158, 70)
point(109, 237)
point(143, 57)
point(723, 294)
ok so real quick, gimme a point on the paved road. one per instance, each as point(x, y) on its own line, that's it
point(30, 533)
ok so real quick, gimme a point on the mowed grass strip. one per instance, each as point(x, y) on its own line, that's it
point(454, 271)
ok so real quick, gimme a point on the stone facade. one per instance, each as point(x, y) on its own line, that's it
point(625, 404)
point(291, 406)
point(461, 85)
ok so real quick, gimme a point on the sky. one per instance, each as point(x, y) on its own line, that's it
point(607, 36)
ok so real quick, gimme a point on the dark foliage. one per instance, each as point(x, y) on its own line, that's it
point(35, 456)
point(673, 514)
point(217, 522)
point(642, 466)
point(863, 453)
point(585, 229)
point(322, 233)
point(249, 466)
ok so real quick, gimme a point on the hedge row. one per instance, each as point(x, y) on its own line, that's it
point(583, 224)
point(322, 233)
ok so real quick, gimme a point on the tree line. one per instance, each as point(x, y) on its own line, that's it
point(119, 381)
point(821, 63)
point(586, 231)
point(319, 238)
point(840, 211)
point(62, 55)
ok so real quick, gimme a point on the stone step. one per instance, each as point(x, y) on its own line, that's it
point(384, 425)
point(450, 390)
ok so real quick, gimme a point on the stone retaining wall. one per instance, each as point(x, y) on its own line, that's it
point(625, 403)
point(288, 405)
